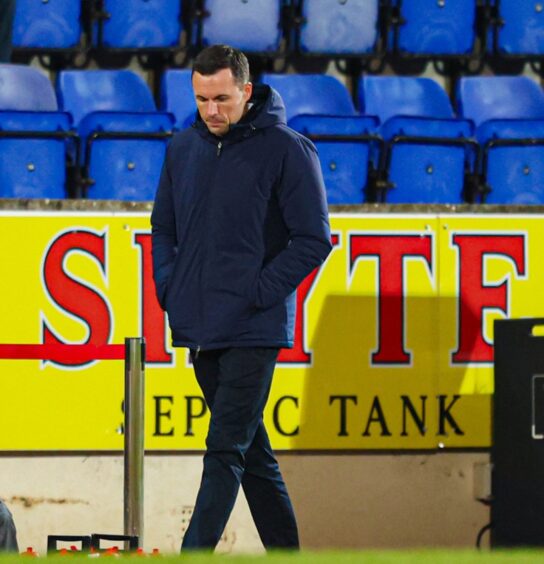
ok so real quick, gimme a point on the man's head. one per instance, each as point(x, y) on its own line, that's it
point(221, 87)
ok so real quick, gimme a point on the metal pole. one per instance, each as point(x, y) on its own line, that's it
point(134, 437)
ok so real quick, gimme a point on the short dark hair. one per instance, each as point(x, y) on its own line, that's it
point(218, 57)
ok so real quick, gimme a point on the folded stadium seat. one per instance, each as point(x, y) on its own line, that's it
point(509, 114)
point(47, 28)
point(481, 98)
point(433, 30)
point(176, 96)
point(429, 155)
point(338, 28)
point(123, 137)
point(321, 108)
point(254, 26)
point(24, 88)
point(138, 26)
point(519, 29)
point(311, 94)
point(33, 136)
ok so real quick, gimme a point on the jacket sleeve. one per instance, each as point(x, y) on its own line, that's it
point(302, 201)
point(163, 234)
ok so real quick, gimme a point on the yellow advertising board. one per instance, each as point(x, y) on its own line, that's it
point(394, 335)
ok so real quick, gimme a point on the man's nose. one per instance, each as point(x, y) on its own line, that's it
point(212, 108)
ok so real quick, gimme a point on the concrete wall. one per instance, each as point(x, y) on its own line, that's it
point(341, 501)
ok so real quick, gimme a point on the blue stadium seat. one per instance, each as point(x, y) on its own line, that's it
point(33, 136)
point(139, 24)
point(311, 94)
point(440, 27)
point(427, 160)
point(123, 136)
point(428, 152)
point(83, 92)
point(389, 96)
point(481, 98)
point(338, 27)
point(47, 25)
point(32, 166)
point(513, 161)
point(252, 26)
point(509, 113)
point(521, 29)
point(126, 154)
point(25, 88)
point(177, 96)
point(346, 146)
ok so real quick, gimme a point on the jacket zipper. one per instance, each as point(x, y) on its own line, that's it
point(219, 147)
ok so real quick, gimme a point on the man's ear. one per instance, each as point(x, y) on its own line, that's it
point(248, 90)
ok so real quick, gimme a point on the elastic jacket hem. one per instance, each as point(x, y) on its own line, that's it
point(237, 344)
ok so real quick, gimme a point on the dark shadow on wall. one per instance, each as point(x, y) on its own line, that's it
point(367, 470)
point(388, 385)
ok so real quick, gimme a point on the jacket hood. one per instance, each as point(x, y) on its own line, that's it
point(267, 109)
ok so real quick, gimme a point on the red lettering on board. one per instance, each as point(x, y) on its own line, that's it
point(153, 318)
point(391, 252)
point(475, 296)
point(73, 296)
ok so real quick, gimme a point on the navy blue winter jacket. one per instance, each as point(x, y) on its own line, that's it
point(238, 222)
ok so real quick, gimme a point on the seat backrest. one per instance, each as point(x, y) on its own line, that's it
point(142, 23)
point(339, 27)
point(83, 92)
point(46, 25)
point(177, 96)
point(126, 169)
point(522, 27)
point(25, 88)
point(32, 167)
point(514, 174)
point(438, 27)
point(389, 96)
point(248, 25)
point(513, 171)
point(499, 97)
point(311, 94)
point(344, 160)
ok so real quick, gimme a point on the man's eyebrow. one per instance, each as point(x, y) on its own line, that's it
point(201, 97)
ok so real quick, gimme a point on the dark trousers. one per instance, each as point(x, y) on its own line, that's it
point(236, 383)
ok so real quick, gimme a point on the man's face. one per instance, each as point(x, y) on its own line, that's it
point(221, 102)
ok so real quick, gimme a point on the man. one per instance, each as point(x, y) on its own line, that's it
point(8, 533)
point(239, 220)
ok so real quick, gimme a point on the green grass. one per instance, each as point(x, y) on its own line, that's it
point(364, 557)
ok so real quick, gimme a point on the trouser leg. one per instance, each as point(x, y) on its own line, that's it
point(241, 389)
point(8, 533)
point(262, 481)
point(267, 495)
